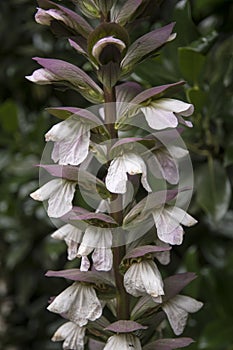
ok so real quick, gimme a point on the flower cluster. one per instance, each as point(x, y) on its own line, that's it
point(132, 137)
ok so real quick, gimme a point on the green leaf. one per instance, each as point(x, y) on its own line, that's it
point(204, 44)
point(185, 27)
point(197, 97)
point(8, 116)
point(191, 64)
point(213, 189)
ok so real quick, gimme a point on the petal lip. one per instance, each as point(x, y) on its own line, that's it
point(177, 106)
point(41, 76)
point(128, 163)
point(159, 119)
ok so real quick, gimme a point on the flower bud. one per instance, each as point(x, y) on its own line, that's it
point(107, 43)
point(108, 48)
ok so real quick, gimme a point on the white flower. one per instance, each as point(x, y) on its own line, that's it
point(177, 310)
point(42, 76)
point(71, 141)
point(144, 278)
point(130, 163)
point(123, 342)
point(168, 222)
point(79, 303)
point(166, 113)
point(72, 335)
point(99, 241)
point(45, 17)
point(72, 236)
point(59, 193)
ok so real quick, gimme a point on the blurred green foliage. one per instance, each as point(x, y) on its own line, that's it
point(201, 55)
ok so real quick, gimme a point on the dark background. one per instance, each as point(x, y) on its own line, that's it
point(201, 55)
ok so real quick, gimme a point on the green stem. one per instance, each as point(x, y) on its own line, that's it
point(116, 211)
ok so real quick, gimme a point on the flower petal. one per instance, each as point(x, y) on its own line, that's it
point(173, 105)
point(72, 334)
point(59, 193)
point(116, 178)
point(179, 215)
point(63, 130)
point(79, 303)
point(168, 223)
point(169, 167)
point(177, 317)
point(187, 303)
point(177, 310)
point(73, 151)
point(184, 122)
point(85, 264)
point(135, 165)
point(102, 259)
point(60, 202)
point(168, 231)
point(164, 256)
point(45, 17)
point(100, 240)
point(159, 119)
point(143, 278)
point(123, 341)
point(72, 236)
point(43, 193)
point(42, 77)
